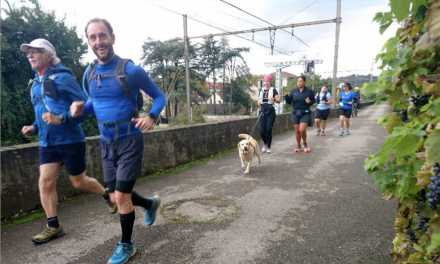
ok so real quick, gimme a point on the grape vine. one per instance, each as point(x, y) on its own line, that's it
point(407, 166)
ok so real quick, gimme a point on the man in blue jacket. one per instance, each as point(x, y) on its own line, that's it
point(61, 138)
point(122, 141)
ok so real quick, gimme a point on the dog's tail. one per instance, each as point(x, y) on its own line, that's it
point(245, 136)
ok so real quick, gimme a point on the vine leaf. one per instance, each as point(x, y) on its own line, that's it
point(382, 179)
point(433, 21)
point(431, 145)
point(400, 9)
point(435, 242)
point(403, 144)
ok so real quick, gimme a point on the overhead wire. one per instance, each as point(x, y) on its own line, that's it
point(220, 29)
point(263, 20)
point(298, 12)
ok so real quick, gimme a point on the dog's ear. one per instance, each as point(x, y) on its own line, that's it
point(238, 145)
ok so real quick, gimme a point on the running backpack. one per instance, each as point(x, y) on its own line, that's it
point(122, 79)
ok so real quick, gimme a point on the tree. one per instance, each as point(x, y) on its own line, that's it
point(210, 62)
point(404, 167)
point(22, 25)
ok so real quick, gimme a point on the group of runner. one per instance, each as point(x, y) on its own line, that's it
point(301, 99)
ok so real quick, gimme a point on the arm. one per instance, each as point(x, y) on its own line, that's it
point(288, 97)
point(312, 98)
point(142, 80)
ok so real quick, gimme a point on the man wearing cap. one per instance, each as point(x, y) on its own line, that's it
point(323, 100)
point(358, 97)
point(61, 138)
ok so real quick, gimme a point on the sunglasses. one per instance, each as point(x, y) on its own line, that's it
point(33, 51)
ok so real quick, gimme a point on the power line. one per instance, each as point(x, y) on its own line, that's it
point(299, 12)
point(219, 28)
point(264, 21)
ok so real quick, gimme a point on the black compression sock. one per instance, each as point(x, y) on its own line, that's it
point(106, 196)
point(127, 223)
point(138, 200)
point(53, 222)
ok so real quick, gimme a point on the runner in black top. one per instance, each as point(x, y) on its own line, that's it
point(301, 99)
point(268, 95)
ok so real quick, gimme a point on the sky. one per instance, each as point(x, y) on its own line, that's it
point(134, 21)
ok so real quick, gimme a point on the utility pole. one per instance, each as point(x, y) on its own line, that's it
point(188, 97)
point(335, 66)
point(278, 86)
point(372, 65)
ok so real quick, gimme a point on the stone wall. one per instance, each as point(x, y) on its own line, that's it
point(165, 148)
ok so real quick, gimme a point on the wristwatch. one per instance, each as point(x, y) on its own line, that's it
point(60, 117)
point(152, 115)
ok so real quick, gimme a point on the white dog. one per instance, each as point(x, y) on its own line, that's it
point(247, 149)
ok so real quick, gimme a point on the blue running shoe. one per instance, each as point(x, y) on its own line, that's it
point(123, 253)
point(348, 132)
point(341, 133)
point(150, 215)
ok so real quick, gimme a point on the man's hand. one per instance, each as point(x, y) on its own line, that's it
point(360, 100)
point(77, 108)
point(143, 123)
point(51, 119)
point(285, 93)
point(350, 103)
point(308, 100)
point(28, 130)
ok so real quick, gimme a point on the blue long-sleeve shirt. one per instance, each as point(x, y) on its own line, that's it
point(110, 104)
point(67, 91)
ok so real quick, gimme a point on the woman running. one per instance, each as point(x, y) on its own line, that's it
point(345, 107)
point(301, 99)
point(268, 95)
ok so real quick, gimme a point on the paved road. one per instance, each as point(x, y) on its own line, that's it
point(317, 207)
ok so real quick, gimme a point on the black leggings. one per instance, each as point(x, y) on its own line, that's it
point(266, 125)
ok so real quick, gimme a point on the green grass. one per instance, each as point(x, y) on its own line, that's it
point(24, 220)
point(187, 166)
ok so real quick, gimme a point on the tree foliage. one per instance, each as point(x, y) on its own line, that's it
point(22, 25)
point(410, 83)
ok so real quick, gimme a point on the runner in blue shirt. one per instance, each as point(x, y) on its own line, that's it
point(345, 107)
point(323, 99)
point(122, 143)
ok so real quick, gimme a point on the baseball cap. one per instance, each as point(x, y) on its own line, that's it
point(357, 88)
point(39, 43)
point(325, 85)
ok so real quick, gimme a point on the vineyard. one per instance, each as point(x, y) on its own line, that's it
point(407, 166)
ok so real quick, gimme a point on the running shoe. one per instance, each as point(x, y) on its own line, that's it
point(307, 149)
point(318, 131)
point(268, 151)
point(348, 132)
point(323, 133)
point(123, 253)
point(298, 149)
point(264, 149)
point(48, 234)
point(341, 133)
point(150, 215)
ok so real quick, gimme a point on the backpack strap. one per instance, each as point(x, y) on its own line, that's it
point(89, 75)
point(122, 79)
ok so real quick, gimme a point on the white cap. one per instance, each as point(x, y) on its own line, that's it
point(39, 43)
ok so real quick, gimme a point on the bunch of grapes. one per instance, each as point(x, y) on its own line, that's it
point(434, 194)
point(423, 221)
point(411, 234)
point(418, 102)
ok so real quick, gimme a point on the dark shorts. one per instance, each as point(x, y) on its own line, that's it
point(304, 118)
point(130, 151)
point(322, 114)
point(72, 155)
point(345, 112)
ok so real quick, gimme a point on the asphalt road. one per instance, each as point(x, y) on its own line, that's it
point(317, 207)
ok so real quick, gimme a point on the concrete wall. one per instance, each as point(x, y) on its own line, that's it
point(165, 148)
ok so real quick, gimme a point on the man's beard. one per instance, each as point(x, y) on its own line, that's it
point(105, 58)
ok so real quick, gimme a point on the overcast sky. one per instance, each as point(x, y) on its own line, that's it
point(134, 21)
